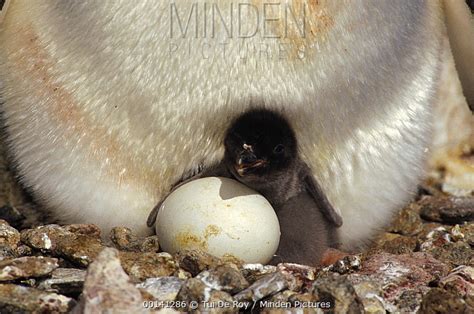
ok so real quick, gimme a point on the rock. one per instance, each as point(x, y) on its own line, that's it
point(399, 273)
point(9, 236)
point(20, 299)
point(456, 233)
point(125, 240)
point(450, 245)
point(140, 266)
point(265, 286)
point(395, 243)
point(25, 267)
point(460, 281)
point(467, 230)
point(454, 254)
point(107, 287)
point(162, 288)
point(298, 276)
point(196, 295)
point(407, 221)
point(78, 243)
point(408, 302)
point(23, 250)
point(68, 281)
point(253, 272)
point(434, 238)
point(212, 289)
point(429, 228)
point(84, 229)
point(40, 237)
point(224, 278)
point(193, 290)
point(6, 253)
point(449, 210)
point(469, 303)
point(370, 295)
point(182, 274)
point(441, 301)
point(286, 296)
point(195, 261)
point(220, 302)
point(338, 293)
point(346, 264)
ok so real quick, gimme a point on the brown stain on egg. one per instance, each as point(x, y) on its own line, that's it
point(211, 231)
point(188, 240)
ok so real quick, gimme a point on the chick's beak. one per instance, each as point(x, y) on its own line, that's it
point(248, 162)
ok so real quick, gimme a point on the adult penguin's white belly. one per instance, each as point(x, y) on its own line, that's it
point(106, 104)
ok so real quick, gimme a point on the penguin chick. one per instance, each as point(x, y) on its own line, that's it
point(261, 152)
point(306, 233)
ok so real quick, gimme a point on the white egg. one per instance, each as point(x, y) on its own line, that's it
point(220, 216)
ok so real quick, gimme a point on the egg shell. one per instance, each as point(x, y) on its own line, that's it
point(220, 216)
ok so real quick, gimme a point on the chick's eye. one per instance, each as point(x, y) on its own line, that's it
point(279, 149)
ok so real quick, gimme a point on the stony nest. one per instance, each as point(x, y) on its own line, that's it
point(422, 262)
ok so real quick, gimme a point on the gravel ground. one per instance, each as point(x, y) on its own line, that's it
point(423, 262)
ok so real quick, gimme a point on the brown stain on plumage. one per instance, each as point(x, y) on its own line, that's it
point(62, 108)
point(299, 23)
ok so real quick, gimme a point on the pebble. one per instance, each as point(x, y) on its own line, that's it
point(338, 293)
point(68, 281)
point(454, 253)
point(405, 272)
point(224, 278)
point(26, 267)
point(407, 221)
point(438, 300)
point(162, 288)
point(370, 294)
point(78, 243)
point(265, 286)
point(467, 230)
point(345, 265)
point(9, 236)
point(107, 288)
point(460, 280)
point(124, 240)
point(140, 266)
point(303, 273)
point(195, 291)
point(20, 299)
point(195, 261)
point(253, 272)
point(449, 210)
point(395, 243)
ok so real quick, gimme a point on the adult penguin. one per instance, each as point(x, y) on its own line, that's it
point(108, 103)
